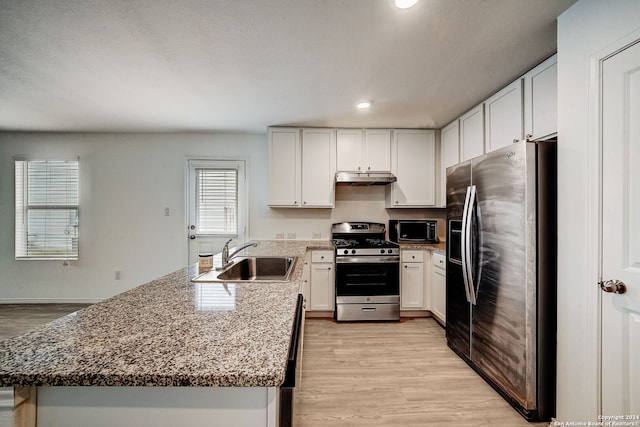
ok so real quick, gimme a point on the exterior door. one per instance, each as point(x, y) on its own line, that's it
point(621, 234)
point(216, 205)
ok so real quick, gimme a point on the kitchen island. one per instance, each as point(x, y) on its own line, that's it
point(167, 352)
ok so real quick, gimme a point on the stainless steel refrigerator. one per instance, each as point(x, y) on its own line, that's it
point(501, 272)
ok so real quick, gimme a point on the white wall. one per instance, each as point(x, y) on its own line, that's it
point(127, 180)
point(584, 31)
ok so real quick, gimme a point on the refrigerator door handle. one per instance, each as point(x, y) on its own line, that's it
point(464, 255)
point(468, 248)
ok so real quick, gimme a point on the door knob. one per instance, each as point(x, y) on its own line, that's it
point(613, 286)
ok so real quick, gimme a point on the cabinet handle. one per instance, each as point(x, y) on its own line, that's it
point(528, 136)
point(515, 140)
point(369, 168)
point(304, 203)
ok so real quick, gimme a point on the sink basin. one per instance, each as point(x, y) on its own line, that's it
point(253, 268)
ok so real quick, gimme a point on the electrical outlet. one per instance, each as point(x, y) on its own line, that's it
point(291, 235)
point(118, 275)
point(167, 212)
point(316, 235)
point(279, 235)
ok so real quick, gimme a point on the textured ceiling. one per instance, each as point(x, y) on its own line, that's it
point(243, 65)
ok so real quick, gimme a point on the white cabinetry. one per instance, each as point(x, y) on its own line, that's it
point(449, 155)
point(503, 117)
point(413, 163)
point(302, 166)
point(541, 96)
point(472, 133)
point(363, 151)
point(321, 284)
point(412, 280)
point(438, 287)
point(284, 167)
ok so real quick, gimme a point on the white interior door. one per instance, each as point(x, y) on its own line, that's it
point(216, 205)
point(621, 234)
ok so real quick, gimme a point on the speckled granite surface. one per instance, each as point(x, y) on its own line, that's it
point(168, 332)
point(439, 247)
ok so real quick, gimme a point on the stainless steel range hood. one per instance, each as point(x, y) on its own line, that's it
point(365, 178)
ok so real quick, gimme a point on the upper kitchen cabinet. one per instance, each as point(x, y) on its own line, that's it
point(503, 117)
point(472, 133)
point(413, 163)
point(449, 155)
point(285, 161)
point(540, 100)
point(302, 167)
point(366, 150)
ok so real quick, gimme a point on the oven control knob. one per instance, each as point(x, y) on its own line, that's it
point(381, 251)
point(353, 251)
point(346, 251)
point(390, 251)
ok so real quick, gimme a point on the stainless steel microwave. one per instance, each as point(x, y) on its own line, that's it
point(413, 230)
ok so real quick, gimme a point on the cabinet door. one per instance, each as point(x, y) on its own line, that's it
point(413, 163)
point(284, 167)
point(350, 150)
point(322, 286)
point(540, 100)
point(318, 167)
point(472, 133)
point(438, 288)
point(378, 150)
point(412, 285)
point(449, 155)
point(503, 117)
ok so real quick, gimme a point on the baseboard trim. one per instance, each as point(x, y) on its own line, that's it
point(49, 300)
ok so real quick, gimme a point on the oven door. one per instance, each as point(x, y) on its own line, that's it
point(367, 276)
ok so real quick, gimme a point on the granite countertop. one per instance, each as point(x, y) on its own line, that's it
point(168, 332)
point(436, 247)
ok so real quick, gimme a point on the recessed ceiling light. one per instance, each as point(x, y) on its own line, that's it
point(405, 4)
point(363, 105)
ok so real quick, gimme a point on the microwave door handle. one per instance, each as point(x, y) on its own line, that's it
point(468, 237)
point(463, 244)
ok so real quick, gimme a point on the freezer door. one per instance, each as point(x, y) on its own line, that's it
point(458, 308)
point(503, 319)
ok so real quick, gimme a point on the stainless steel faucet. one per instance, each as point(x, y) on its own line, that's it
point(226, 257)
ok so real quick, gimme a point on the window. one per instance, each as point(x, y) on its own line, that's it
point(217, 201)
point(46, 209)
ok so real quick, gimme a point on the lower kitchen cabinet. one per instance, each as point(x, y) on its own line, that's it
point(438, 287)
point(414, 286)
point(321, 283)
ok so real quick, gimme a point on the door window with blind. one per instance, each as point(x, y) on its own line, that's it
point(217, 204)
point(47, 194)
point(217, 201)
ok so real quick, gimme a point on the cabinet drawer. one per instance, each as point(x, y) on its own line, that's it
point(322, 256)
point(438, 260)
point(412, 256)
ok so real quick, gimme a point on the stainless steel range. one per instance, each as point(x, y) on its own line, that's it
point(367, 272)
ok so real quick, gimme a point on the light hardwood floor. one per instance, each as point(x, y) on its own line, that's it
point(362, 374)
point(392, 374)
point(16, 319)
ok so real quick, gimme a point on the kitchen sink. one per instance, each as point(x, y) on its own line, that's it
point(252, 268)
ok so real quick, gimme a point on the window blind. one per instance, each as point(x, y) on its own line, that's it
point(217, 201)
point(46, 209)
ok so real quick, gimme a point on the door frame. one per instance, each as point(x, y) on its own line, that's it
point(595, 147)
point(244, 194)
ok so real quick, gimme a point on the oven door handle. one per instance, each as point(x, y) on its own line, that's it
point(367, 260)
